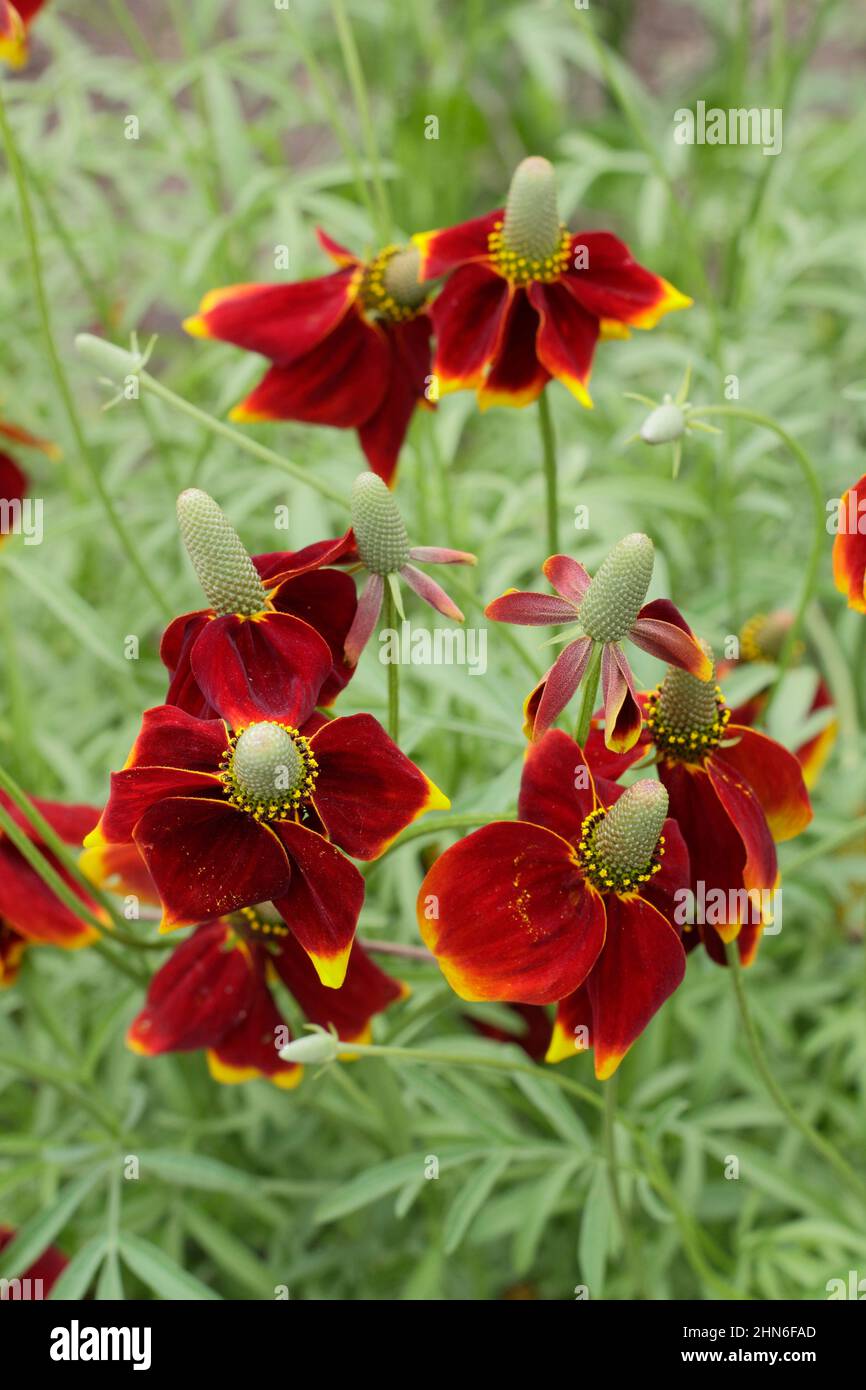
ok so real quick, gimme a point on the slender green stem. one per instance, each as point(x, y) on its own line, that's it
point(393, 668)
point(355, 73)
point(240, 441)
point(817, 1141)
point(590, 691)
point(64, 390)
point(819, 531)
point(551, 482)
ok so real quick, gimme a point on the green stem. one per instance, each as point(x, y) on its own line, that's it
point(240, 441)
point(551, 491)
point(590, 692)
point(393, 669)
point(355, 73)
point(31, 237)
point(817, 1141)
point(810, 575)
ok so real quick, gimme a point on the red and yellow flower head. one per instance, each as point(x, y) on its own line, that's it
point(16, 17)
point(527, 300)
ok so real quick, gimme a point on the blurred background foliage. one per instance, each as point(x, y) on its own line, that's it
point(249, 138)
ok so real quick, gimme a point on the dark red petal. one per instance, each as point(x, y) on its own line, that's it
point(271, 666)
point(572, 1029)
point(365, 619)
point(849, 547)
point(204, 988)
point(340, 382)
point(566, 339)
point(568, 578)
point(508, 915)
point(529, 609)
point(135, 790)
point(774, 775)
point(71, 821)
point(614, 286)
point(468, 317)
point(531, 1029)
point(367, 789)
point(323, 903)
point(332, 248)
point(208, 858)
point(760, 870)
point(641, 965)
point(661, 630)
point(120, 869)
point(366, 990)
point(282, 322)
point(326, 600)
point(52, 1262)
point(623, 719)
point(556, 788)
point(30, 907)
point(13, 484)
point(448, 247)
point(169, 737)
point(667, 889)
point(516, 376)
point(560, 683)
point(604, 762)
point(175, 648)
point(277, 566)
point(252, 1047)
point(383, 434)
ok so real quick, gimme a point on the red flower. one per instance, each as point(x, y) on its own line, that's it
point(30, 913)
point(226, 821)
point(733, 792)
point(607, 609)
point(14, 482)
point(527, 300)
point(43, 1273)
point(351, 349)
point(271, 644)
point(214, 993)
point(849, 547)
point(16, 16)
point(572, 903)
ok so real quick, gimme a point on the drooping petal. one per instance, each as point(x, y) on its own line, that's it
point(72, 821)
point(813, 754)
point(203, 989)
point(560, 683)
point(622, 712)
point(613, 286)
point(661, 630)
point(282, 322)
point(12, 948)
point(136, 789)
point(366, 990)
point(566, 338)
point(251, 1049)
point(277, 566)
point(568, 578)
point(572, 1028)
point(120, 869)
point(468, 318)
point(431, 592)
point(13, 487)
point(743, 807)
point(367, 789)
point(774, 775)
point(13, 35)
point(447, 248)
point(175, 648)
point(641, 965)
point(529, 609)
point(323, 902)
point(341, 382)
point(410, 373)
point(332, 248)
point(849, 547)
point(169, 737)
point(30, 907)
point(441, 555)
point(208, 858)
point(516, 377)
point(271, 666)
point(325, 599)
point(603, 762)
point(556, 786)
point(508, 915)
point(366, 618)
point(668, 888)
point(531, 1029)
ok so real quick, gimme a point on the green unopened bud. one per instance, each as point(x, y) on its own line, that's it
point(225, 571)
point(266, 763)
point(114, 362)
point(383, 542)
point(401, 278)
point(617, 591)
point(531, 227)
point(687, 717)
point(666, 424)
point(621, 849)
point(316, 1049)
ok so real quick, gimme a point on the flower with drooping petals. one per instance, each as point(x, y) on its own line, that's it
point(849, 546)
point(733, 791)
point(16, 17)
point(226, 820)
point(30, 913)
point(269, 647)
point(350, 349)
point(214, 993)
point(384, 550)
point(607, 609)
point(527, 300)
point(570, 904)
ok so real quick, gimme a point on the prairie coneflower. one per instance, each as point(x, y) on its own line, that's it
point(16, 17)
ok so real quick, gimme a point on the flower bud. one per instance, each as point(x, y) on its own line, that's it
point(617, 591)
point(113, 361)
point(666, 424)
point(315, 1048)
point(224, 569)
point(380, 533)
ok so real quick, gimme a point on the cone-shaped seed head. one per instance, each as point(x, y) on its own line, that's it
point(532, 227)
point(383, 542)
point(266, 764)
point(686, 704)
point(618, 589)
point(225, 570)
point(401, 278)
point(626, 839)
point(666, 424)
point(763, 637)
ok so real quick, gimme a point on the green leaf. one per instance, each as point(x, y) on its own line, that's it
point(387, 1177)
point(541, 1202)
point(195, 1170)
point(471, 1199)
point(154, 1268)
point(78, 1275)
point(232, 1256)
point(596, 1226)
point(41, 1230)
